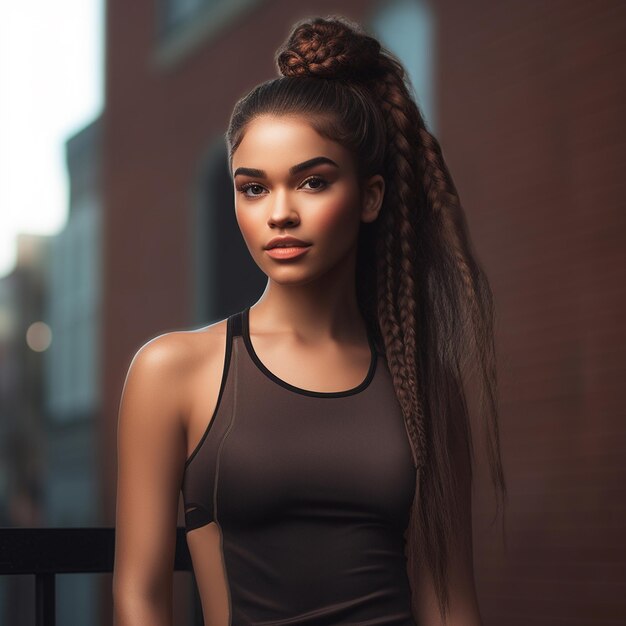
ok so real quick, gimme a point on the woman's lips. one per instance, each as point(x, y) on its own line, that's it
point(290, 252)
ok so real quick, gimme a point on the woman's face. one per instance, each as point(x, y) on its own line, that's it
point(319, 202)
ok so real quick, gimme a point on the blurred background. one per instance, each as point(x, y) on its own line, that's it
point(117, 224)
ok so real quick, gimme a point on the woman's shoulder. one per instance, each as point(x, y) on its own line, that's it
point(179, 352)
point(168, 373)
point(171, 358)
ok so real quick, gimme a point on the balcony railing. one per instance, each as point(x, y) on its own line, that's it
point(45, 552)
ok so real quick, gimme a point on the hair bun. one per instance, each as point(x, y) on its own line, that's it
point(331, 47)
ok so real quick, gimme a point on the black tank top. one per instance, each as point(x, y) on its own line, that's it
point(299, 500)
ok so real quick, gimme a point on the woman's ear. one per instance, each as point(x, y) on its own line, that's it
point(372, 194)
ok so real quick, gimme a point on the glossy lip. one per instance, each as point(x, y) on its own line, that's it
point(287, 240)
point(287, 253)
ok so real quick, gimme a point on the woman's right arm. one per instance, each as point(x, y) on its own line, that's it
point(151, 455)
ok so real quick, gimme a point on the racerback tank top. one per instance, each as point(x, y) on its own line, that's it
point(297, 501)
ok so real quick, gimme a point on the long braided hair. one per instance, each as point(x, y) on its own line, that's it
point(421, 291)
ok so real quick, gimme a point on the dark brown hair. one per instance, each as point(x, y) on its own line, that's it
point(421, 291)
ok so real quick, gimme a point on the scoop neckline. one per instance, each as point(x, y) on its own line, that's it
point(364, 384)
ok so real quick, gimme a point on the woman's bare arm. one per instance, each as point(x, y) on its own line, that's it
point(151, 455)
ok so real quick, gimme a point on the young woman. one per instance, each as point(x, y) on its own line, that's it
point(332, 482)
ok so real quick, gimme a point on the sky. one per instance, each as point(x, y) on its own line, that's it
point(51, 85)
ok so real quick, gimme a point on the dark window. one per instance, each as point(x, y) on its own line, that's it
point(226, 277)
point(176, 13)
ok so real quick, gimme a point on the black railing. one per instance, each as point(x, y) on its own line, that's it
point(45, 552)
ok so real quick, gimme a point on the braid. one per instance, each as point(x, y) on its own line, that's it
point(477, 305)
point(400, 170)
point(324, 48)
point(402, 117)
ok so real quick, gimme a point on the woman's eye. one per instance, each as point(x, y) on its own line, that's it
point(245, 188)
point(320, 183)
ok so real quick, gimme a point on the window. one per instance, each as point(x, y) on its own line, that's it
point(184, 25)
point(174, 13)
point(407, 28)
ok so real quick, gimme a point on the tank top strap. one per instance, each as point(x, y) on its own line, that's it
point(235, 322)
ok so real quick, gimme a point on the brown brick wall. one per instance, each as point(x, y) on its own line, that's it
point(531, 108)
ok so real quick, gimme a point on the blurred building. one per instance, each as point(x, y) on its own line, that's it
point(50, 384)
point(24, 339)
point(524, 100)
point(72, 365)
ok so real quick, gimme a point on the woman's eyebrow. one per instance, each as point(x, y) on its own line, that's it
point(249, 171)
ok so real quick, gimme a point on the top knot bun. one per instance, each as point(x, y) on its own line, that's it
point(332, 47)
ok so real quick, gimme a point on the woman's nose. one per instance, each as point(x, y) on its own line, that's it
point(282, 210)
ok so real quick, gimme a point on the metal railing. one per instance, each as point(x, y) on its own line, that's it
point(45, 552)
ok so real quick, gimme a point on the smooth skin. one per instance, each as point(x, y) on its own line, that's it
point(308, 313)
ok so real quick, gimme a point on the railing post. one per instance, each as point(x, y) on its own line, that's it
point(45, 600)
point(45, 552)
